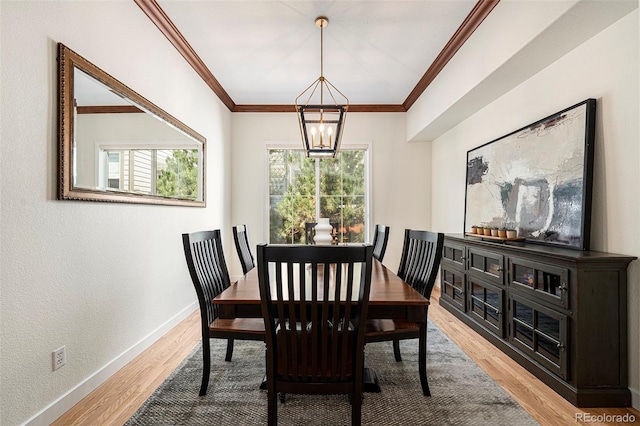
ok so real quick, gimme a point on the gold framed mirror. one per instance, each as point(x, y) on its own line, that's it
point(116, 146)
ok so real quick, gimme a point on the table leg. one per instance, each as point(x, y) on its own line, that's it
point(371, 382)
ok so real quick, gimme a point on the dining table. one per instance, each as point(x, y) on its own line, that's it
point(390, 298)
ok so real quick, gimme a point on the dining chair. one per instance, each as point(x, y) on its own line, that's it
point(208, 270)
point(380, 239)
point(421, 255)
point(314, 326)
point(241, 239)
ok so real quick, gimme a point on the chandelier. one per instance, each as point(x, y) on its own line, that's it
point(321, 124)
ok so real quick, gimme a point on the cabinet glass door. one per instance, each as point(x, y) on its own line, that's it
point(453, 287)
point(485, 305)
point(487, 264)
point(546, 282)
point(454, 253)
point(540, 332)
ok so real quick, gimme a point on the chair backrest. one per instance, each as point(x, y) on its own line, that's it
point(208, 269)
point(421, 254)
point(380, 240)
point(316, 336)
point(241, 238)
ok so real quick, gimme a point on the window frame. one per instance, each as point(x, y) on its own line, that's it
point(362, 146)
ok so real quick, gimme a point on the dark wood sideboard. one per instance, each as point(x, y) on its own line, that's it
point(560, 313)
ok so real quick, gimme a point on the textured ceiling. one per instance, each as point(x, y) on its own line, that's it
point(268, 52)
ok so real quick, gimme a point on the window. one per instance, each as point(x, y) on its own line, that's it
point(303, 189)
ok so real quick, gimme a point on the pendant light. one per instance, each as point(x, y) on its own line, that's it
point(321, 116)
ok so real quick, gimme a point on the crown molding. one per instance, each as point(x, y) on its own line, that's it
point(292, 108)
point(153, 10)
point(108, 109)
point(155, 13)
point(479, 12)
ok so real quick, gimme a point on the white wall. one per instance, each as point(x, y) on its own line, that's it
point(606, 68)
point(400, 178)
point(102, 279)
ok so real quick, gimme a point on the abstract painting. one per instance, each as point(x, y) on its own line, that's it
point(537, 180)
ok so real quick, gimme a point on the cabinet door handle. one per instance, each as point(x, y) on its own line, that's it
point(560, 346)
point(564, 287)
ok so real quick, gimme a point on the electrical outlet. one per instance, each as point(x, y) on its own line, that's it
point(59, 357)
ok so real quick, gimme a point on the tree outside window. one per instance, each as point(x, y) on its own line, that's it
point(179, 176)
point(302, 189)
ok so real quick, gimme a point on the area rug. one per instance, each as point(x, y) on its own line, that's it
point(462, 393)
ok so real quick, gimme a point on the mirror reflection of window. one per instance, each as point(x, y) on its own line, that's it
point(114, 170)
point(171, 173)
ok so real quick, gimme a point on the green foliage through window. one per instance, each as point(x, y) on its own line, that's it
point(179, 177)
point(299, 187)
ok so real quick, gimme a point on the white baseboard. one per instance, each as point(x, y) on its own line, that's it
point(635, 399)
point(65, 402)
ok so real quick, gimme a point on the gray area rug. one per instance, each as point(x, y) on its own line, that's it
point(462, 393)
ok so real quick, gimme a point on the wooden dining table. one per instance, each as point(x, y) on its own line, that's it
point(390, 298)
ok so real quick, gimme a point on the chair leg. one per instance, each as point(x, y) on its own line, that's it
point(229, 350)
point(206, 365)
point(396, 350)
point(272, 405)
point(422, 359)
point(356, 406)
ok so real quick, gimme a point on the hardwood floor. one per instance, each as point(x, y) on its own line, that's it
point(119, 398)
